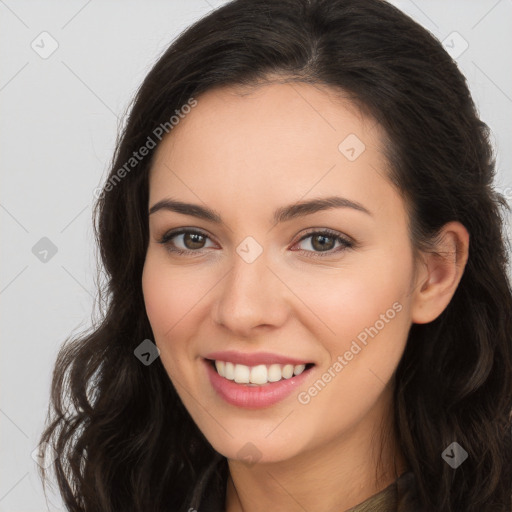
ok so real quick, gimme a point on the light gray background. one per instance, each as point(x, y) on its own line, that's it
point(59, 119)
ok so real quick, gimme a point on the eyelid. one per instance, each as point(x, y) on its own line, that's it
point(346, 241)
point(171, 234)
point(326, 231)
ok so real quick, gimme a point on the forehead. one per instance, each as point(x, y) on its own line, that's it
point(279, 140)
point(306, 118)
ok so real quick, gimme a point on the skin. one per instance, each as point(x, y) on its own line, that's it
point(245, 153)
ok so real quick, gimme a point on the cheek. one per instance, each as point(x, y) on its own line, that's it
point(366, 309)
point(169, 295)
point(175, 301)
point(371, 328)
point(356, 297)
point(167, 302)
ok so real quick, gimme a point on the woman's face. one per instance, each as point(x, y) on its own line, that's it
point(263, 289)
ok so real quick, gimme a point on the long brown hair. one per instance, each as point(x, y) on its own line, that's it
point(124, 440)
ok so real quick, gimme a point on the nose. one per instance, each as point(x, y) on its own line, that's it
point(251, 298)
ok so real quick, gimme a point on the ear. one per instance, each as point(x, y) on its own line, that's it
point(439, 272)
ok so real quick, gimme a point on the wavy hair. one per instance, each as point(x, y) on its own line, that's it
point(124, 440)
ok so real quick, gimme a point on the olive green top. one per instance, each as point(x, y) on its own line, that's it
point(209, 493)
point(400, 496)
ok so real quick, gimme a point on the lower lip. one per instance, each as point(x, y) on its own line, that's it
point(253, 397)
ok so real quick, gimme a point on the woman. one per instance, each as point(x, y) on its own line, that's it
point(308, 306)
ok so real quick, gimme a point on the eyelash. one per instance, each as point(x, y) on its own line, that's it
point(345, 243)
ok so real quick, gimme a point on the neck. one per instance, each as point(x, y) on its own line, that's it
point(333, 477)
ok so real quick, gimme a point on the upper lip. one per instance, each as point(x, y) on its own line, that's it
point(254, 358)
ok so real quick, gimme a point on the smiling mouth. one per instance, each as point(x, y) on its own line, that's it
point(258, 375)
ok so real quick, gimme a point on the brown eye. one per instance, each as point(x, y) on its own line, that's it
point(184, 241)
point(193, 240)
point(323, 243)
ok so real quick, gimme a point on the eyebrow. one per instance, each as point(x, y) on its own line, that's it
point(282, 214)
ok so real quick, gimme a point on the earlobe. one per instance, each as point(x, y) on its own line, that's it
point(440, 274)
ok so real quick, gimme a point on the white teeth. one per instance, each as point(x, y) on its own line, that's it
point(260, 374)
point(287, 371)
point(242, 374)
point(297, 370)
point(274, 373)
point(229, 371)
point(220, 365)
